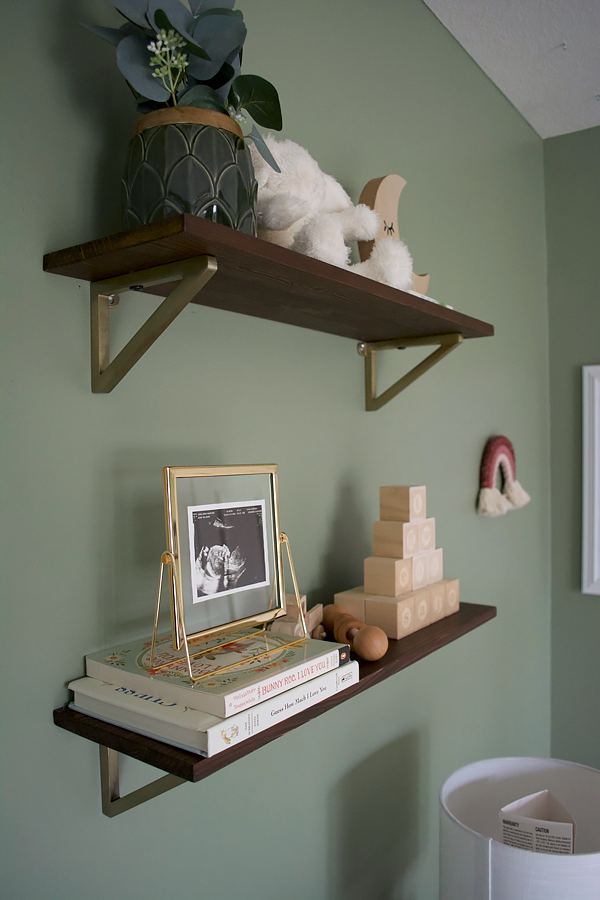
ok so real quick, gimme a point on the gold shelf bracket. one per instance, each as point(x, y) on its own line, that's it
point(369, 349)
point(112, 802)
point(191, 275)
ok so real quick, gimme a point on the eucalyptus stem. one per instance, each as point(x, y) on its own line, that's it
point(169, 59)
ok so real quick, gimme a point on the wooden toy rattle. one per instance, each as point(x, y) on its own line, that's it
point(367, 641)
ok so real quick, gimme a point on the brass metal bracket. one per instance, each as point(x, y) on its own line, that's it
point(112, 802)
point(191, 275)
point(445, 342)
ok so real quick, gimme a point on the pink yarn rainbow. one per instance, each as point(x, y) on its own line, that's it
point(499, 455)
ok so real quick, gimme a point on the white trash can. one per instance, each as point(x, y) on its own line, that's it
point(476, 865)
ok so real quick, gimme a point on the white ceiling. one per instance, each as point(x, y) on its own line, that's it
point(544, 55)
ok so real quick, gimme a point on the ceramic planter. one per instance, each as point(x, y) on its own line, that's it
point(189, 160)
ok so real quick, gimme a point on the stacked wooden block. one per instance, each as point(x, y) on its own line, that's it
point(404, 587)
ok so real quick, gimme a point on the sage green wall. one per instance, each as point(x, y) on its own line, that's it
point(573, 229)
point(346, 806)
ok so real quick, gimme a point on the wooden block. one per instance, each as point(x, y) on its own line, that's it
point(293, 625)
point(313, 617)
point(420, 571)
point(452, 595)
point(438, 601)
point(291, 628)
point(402, 503)
point(386, 576)
point(398, 540)
point(352, 601)
point(436, 565)
point(395, 617)
point(291, 608)
point(426, 536)
point(423, 608)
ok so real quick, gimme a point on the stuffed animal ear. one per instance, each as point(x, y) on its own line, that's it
point(261, 168)
point(281, 211)
point(335, 197)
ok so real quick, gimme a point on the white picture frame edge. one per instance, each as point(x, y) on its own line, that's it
point(590, 568)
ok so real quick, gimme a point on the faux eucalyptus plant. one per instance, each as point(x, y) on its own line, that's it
point(173, 54)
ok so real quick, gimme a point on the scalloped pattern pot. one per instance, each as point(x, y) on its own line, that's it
point(189, 168)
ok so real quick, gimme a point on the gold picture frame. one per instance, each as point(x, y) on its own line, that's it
point(224, 548)
point(224, 559)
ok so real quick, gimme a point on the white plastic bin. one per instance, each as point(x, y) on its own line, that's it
point(475, 865)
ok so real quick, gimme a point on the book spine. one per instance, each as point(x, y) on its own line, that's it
point(250, 696)
point(239, 727)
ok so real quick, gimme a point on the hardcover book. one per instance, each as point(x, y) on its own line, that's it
point(220, 693)
point(152, 715)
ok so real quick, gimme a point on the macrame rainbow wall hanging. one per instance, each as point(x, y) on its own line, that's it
point(499, 459)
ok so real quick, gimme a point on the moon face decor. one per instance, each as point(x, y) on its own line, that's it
point(498, 465)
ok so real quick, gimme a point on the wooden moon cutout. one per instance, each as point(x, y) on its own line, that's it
point(383, 195)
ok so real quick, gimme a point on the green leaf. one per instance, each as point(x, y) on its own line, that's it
point(178, 15)
point(202, 96)
point(134, 10)
point(197, 5)
point(225, 74)
point(259, 98)
point(262, 148)
point(221, 11)
point(222, 36)
point(112, 35)
point(133, 60)
point(191, 47)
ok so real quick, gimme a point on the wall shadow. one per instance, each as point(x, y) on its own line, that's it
point(98, 93)
point(373, 815)
point(131, 538)
point(342, 565)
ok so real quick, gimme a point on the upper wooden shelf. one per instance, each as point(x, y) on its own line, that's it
point(260, 279)
point(189, 766)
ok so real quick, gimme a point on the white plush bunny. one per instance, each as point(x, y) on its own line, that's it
point(306, 210)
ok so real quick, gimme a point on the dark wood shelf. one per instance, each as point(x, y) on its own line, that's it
point(257, 278)
point(191, 767)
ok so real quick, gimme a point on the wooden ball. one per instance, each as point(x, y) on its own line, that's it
point(329, 614)
point(370, 643)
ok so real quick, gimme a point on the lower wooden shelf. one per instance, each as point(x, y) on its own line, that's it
point(191, 767)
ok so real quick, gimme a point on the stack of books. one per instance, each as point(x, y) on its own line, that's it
point(228, 705)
